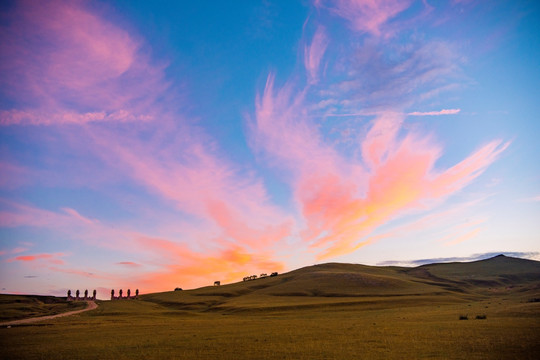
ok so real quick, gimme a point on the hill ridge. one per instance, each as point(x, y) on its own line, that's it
point(339, 284)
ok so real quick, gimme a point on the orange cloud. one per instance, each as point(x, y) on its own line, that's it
point(183, 267)
point(220, 258)
point(342, 202)
point(50, 258)
point(128, 263)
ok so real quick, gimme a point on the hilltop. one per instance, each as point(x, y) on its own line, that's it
point(345, 284)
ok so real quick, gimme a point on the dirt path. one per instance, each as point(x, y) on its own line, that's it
point(91, 306)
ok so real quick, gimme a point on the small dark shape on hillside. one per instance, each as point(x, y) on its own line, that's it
point(178, 289)
point(274, 274)
point(535, 300)
point(463, 317)
point(481, 317)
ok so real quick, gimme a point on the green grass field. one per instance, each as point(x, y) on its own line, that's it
point(14, 307)
point(331, 311)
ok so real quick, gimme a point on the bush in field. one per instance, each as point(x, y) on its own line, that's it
point(481, 317)
point(463, 317)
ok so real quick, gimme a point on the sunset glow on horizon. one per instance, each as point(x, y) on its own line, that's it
point(154, 145)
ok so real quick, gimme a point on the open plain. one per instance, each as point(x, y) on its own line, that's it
point(487, 309)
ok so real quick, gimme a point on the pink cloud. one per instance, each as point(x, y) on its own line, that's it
point(381, 135)
point(531, 199)
point(30, 117)
point(18, 250)
point(196, 180)
point(281, 130)
point(85, 74)
point(75, 214)
point(435, 113)
point(367, 15)
point(128, 263)
point(50, 258)
point(82, 273)
point(230, 265)
point(17, 214)
point(454, 239)
point(436, 220)
point(456, 177)
point(344, 198)
point(313, 54)
point(61, 57)
point(341, 202)
point(227, 256)
point(67, 221)
point(178, 265)
point(13, 175)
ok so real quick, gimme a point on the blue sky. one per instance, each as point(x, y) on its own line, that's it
point(160, 144)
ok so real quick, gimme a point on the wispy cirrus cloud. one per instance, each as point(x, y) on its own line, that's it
point(48, 258)
point(342, 198)
point(366, 15)
point(382, 78)
point(16, 214)
point(314, 53)
point(128, 263)
point(63, 64)
point(341, 207)
point(435, 113)
point(31, 117)
point(201, 183)
point(531, 199)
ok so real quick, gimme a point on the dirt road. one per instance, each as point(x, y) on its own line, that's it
point(91, 306)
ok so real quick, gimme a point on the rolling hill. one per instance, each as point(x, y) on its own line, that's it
point(327, 311)
point(335, 284)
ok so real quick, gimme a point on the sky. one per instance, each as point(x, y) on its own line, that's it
point(160, 144)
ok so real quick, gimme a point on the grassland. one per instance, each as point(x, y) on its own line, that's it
point(331, 311)
point(15, 307)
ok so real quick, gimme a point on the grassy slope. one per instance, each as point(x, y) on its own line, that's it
point(322, 285)
point(331, 311)
point(14, 307)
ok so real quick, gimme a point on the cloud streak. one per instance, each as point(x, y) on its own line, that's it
point(435, 113)
point(49, 258)
point(313, 55)
point(367, 16)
